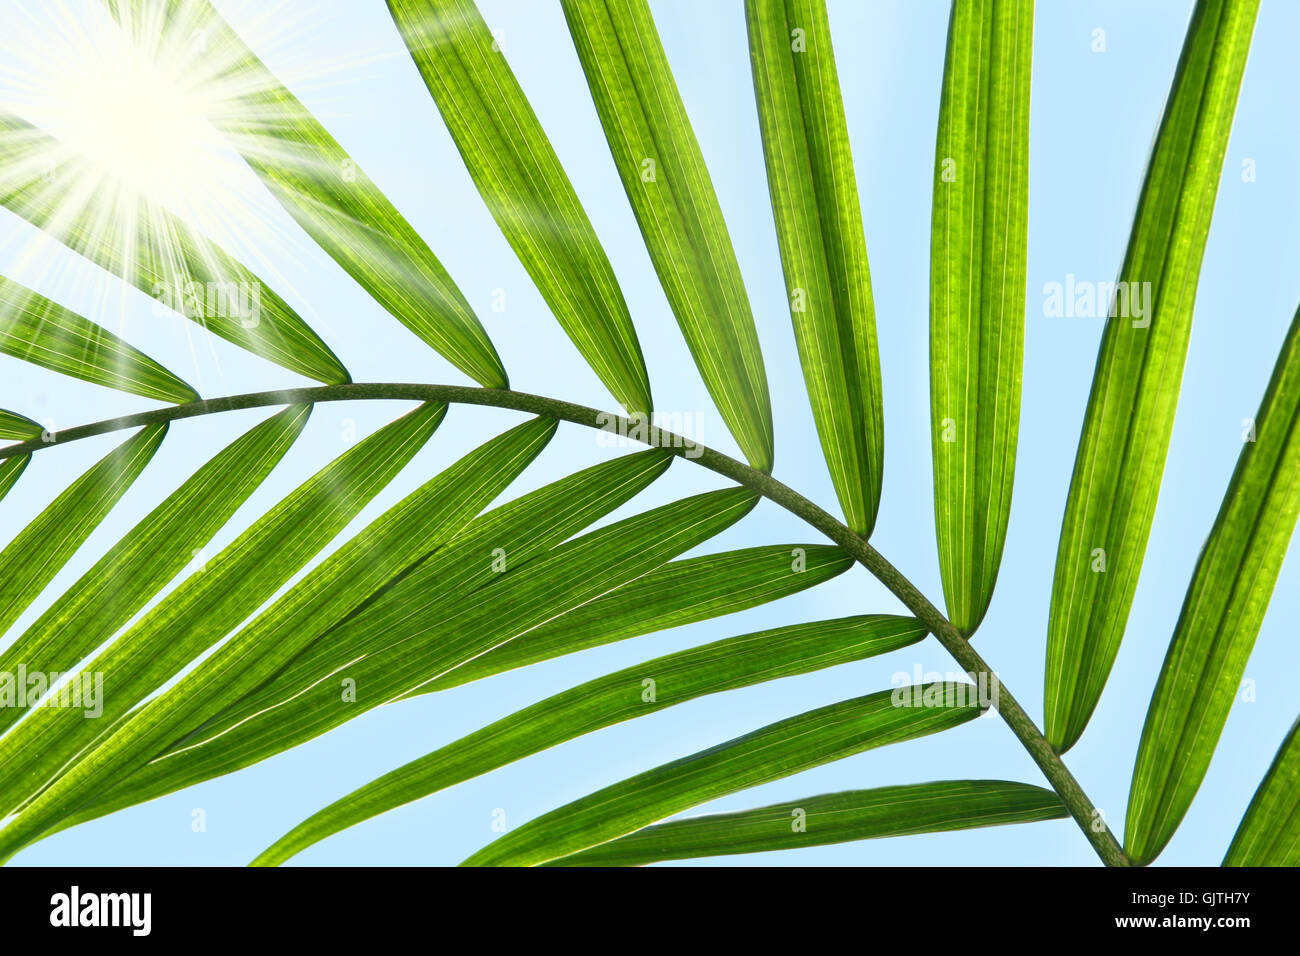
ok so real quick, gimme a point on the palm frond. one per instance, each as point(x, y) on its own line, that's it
point(159, 253)
point(627, 694)
point(324, 189)
point(769, 753)
point(30, 561)
point(1269, 834)
point(668, 185)
point(830, 818)
point(525, 187)
point(823, 249)
point(36, 330)
point(1130, 416)
point(978, 254)
point(1221, 615)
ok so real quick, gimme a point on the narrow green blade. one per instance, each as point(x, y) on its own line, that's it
point(823, 249)
point(1269, 834)
point(151, 554)
point(204, 608)
point(831, 818)
point(570, 575)
point(525, 187)
point(679, 593)
point(390, 546)
point(137, 240)
point(34, 557)
point(1221, 616)
point(18, 427)
point(324, 190)
point(978, 248)
point(625, 695)
point(1135, 388)
point(778, 750)
point(507, 539)
point(36, 330)
point(666, 181)
point(10, 471)
point(522, 530)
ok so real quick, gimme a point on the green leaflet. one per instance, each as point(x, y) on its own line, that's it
point(823, 249)
point(389, 546)
point(1139, 371)
point(1269, 834)
point(680, 592)
point(977, 293)
point(158, 253)
point(35, 555)
point(831, 818)
point(18, 427)
point(150, 554)
point(199, 612)
point(570, 575)
point(333, 200)
point(10, 471)
point(523, 529)
point(525, 187)
point(36, 330)
point(664, 175)
point(676, 678)
point(508, 538)
point(1221, 616)
point(770, 753)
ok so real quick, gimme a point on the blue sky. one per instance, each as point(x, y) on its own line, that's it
point(1092, 121)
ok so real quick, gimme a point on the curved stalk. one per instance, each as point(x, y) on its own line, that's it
point(1048, 761)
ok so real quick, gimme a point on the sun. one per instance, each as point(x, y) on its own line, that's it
point(125, 132)
point(123, 105)
point(115, 106)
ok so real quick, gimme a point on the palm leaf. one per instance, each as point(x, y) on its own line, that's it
point(572, 574)
point(678, 593)
point(18, 427)
point(664, 176)
point(1269, 834)
point(31, 560)
point(1135, 388)
point(158, 253)
point(206, 606)
point(676, 678)
point(36, 330)
point(213, 670)
point(770, 753)
point(977, 293)
point(1221, 615)
point(389, 546)
point(830, 818)
point(447, 580)
point(510, 537)
point(151, 554)
point(823, 249)
point(525, 187)
point(325, 191)
point(11, 470)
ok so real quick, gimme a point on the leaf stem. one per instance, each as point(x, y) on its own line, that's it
point(1047, 759)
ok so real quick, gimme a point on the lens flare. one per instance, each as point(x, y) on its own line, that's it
point(126, 132)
